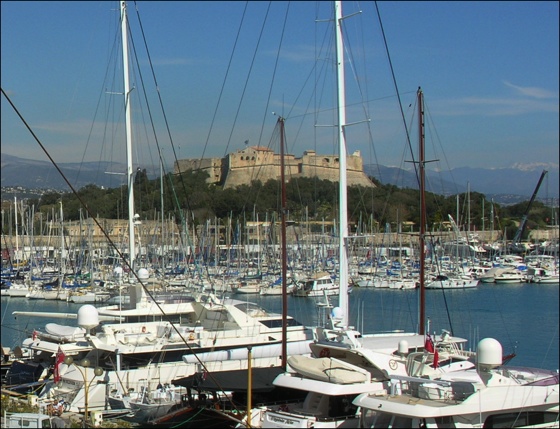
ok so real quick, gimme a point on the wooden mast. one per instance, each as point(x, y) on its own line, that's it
point(284, 250)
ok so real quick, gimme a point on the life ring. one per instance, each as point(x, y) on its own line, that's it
point(191, 336)
point(325, 353)
point(143, 329)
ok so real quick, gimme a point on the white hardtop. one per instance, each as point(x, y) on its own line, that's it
point(27, 420)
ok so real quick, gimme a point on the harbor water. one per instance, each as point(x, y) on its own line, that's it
point(523, 317)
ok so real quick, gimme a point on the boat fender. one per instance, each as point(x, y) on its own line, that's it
point(325, 353)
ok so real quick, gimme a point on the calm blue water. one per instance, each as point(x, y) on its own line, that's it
point(523, 317)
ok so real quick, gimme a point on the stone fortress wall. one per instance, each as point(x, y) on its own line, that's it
point(261, 163)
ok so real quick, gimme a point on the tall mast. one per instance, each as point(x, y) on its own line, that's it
point(16, 253)
point(128, 128)
point(62, 268)
point(284, 251)
point(162, 219)
point(343, 214)
point(421, 164)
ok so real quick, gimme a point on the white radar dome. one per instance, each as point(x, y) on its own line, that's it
point(143, 274)
point(88, 317)
point(403, 347)
point(337, 313)
point(489, 353)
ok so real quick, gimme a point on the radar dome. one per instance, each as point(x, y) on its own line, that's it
point(489, 353)
point(403, 347)
point(337, 313)
point(88, 317)
point(143, 274)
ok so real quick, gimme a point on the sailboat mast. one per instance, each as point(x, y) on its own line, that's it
point(16, 253)
point(343, 214)
point(61, 271)
point(128, 128)
point(284, 251)
point(421, 164)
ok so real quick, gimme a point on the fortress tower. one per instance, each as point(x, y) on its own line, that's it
point(261, 163)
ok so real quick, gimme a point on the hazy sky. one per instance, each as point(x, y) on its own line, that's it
point(489, 72)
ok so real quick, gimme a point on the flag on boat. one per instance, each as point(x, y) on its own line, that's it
point(436, 359)
point(429, 344)
point(57, 362)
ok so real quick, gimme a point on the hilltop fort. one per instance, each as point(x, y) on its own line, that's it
point(261, 163)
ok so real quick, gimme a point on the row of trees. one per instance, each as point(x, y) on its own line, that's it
point(189, 195)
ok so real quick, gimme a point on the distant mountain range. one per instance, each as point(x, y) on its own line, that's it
point(32, 174)
point(504, 185)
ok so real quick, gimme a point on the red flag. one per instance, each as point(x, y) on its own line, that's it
point(57, 362)
point(429, 345)
point(436, 359)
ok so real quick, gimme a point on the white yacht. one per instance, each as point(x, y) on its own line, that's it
point(155, 341)
point(317, 285)
point(442, 281)
point(489, 396)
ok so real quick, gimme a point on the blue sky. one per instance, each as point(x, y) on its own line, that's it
point(489, 72)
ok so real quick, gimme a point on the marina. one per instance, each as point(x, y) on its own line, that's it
point(494, 310)
point(201, 321)
point(523, 317)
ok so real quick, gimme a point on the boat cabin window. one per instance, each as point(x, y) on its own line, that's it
point(376, 419)
point(445, 422)
point(523, 419)
point(340, 406)
point(252, 309)
point(27, 423)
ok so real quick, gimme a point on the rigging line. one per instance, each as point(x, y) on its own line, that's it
point(90, 133)
point(553, 341)
point(157, 90)
point(224, 81)
point(439, 271)
point(431, 240)
point(247, 78)
point(265, 112)
point(352, 62)
point(181, 178)
point(6, 244)
point(331, 109)
point(397, 89)
point(117, 250)
point(385, 207)
point(439, 141)
point(253, 173)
